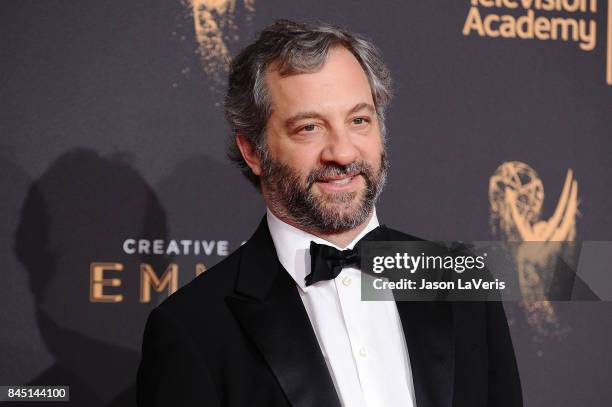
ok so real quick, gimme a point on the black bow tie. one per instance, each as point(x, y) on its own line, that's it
point(327, 262)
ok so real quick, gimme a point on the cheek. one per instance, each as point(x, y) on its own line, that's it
point(303, 165)
point(300, 158)
point(372, 150)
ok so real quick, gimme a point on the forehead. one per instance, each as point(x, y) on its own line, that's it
point(338, 85)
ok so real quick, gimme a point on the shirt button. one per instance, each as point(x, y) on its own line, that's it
point(363, 352)
point(346, 280)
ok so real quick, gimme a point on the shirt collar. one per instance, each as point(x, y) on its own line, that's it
point(293, 245)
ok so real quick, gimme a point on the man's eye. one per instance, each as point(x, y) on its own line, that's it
point(359, 120)
point(309, 127)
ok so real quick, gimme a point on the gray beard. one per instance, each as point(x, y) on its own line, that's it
point(291, 199)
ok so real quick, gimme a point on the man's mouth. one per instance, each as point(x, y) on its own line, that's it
point(338, 182)
point(342, 181)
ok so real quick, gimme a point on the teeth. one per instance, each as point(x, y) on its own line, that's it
point(343, 181)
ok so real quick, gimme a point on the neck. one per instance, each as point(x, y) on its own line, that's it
point(340, 239)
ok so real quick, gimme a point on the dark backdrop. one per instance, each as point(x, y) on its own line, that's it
point(112, 129)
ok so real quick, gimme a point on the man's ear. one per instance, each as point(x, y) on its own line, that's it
point(249, 153)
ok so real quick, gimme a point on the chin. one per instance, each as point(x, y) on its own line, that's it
point(341, 206)
point(340, 200)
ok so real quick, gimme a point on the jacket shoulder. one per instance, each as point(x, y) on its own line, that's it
point(206, 291)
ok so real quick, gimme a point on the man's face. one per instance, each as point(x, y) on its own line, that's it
point(325, 162)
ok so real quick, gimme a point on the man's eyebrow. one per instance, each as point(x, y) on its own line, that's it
point(362, 106)
point(290, 122)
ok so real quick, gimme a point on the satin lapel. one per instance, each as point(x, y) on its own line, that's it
point(428, 329)
point(272, 314)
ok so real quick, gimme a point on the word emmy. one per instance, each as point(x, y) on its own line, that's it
point(99, 280)
point(567, 26)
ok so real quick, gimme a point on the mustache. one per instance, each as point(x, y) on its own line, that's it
point(334, 170)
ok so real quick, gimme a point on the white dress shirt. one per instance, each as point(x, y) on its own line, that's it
point(362, 341)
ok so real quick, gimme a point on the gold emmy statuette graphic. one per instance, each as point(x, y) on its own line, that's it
point(215, 27)
point(516, 196)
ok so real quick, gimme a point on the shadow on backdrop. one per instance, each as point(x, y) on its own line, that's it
point(78, 212)
point(209, 200)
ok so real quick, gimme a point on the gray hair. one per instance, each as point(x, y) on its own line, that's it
point(295, 47)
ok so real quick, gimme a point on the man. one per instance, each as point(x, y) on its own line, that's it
point(269, 326)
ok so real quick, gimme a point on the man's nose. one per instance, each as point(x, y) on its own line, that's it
point(340, 148)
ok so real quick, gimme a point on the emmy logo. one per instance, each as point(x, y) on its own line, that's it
point(516, 197)
point(215, 28)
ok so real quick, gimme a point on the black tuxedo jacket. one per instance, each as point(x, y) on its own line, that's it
point(238, 335)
